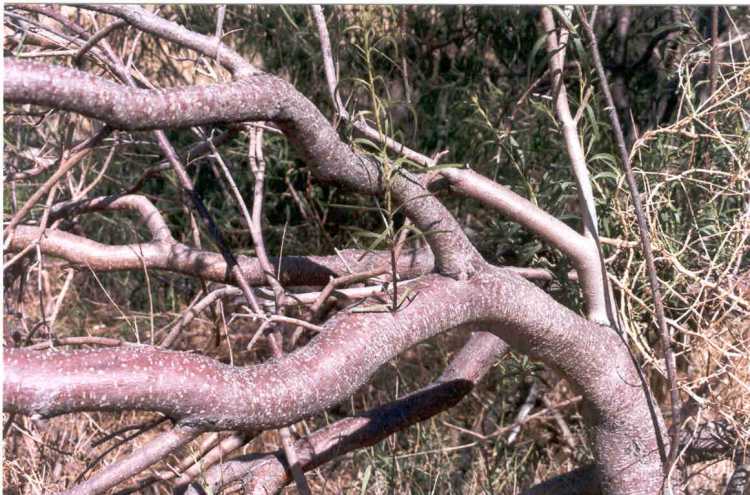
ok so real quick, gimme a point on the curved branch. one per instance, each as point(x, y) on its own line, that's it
point(210, 266)
point(260, 97)
point(556, 51)
point(645, 238)
point(200, 392)
point(206, 45)
point(269, 473)
point(151, 216)
point(581, 250)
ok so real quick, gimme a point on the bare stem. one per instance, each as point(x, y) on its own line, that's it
point(142, 458)
point(645, 235)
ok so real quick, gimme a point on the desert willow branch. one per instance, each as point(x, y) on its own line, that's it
point(268, 474)
point(583, 251)
point(645, 237)
point(210, 266)
point(261, 97)
point(193, 465)
point(200, 392)
point(150, 215)
point(354, 344)
point(555, 50)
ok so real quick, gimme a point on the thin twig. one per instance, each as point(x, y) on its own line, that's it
point(713, 70)
point(76, 155)
point(258, 168)
point(103, 33)
point(524, 410)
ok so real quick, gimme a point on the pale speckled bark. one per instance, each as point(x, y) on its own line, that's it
point(581, 250)
point(260, 97)
point(269, 473)
point(201, 392)
point(181, 258)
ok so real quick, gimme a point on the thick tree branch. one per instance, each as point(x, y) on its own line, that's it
point(583, 252)
point(200, 392)
point(269, 474)
point(354, 343)
point(257, 98)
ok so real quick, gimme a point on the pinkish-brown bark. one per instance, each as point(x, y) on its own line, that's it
point(260, 97)
point(344, 356)
point(199, 392)
point(270, 473)
point(181, 258)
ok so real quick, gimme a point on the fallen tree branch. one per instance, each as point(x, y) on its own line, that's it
point(266, 474)
point(340, 359)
